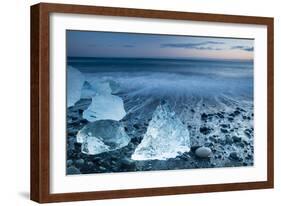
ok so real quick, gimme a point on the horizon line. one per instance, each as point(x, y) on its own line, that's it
point(170, 58)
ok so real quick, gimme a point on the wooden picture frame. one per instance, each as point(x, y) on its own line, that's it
point(40, 102)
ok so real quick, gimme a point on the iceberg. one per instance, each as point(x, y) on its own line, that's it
point(105, 107)
point(166, 136)
point(102, 136)
point(75, 81)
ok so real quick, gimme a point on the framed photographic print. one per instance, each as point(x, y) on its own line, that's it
point(131, 102)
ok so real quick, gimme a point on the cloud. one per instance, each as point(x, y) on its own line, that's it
point(200, 46)
point(208, 48)
point(213, 42)
point(244, 48)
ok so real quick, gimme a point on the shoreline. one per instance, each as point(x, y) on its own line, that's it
point(227, 132)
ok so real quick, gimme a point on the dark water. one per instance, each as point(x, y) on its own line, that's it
point(92, 65)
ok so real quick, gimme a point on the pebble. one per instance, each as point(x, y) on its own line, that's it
point(97, 159)
point(230, 118)
point(228, 139)
point(248, 132)
point(127, 162)
point(235, 156)
point(90, 164)
point(222, 141)
point(72, 170)
point(204, 116)
point(236, 112)
point(246, 142)
point(236, 139)
point(240, 144)
point(136, 126)
point(205, 130)
point(209, 144)
point(79, 162)
point(231, 115)
point(249, 156)
point(131, 145)
point(224, 130)
point(101, 168)
point(220, 115)
point(69, 162)
point(213, 138)
point(225, 125)
point(203, 152)
point(240, 109)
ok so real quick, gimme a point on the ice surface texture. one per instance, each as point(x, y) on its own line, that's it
point(102, 136)
point(105, 107)
point(75, 81)
point(166, 136)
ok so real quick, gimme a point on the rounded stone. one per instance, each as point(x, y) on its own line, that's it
point(69, 162)
point(203, 152)
point(90, 164)
point(101, 168)
point(235, 156)
point(79, 162)
point(236, 139)
point(72, 170)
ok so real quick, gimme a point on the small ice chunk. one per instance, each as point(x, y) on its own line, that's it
point(102, 136)
point(105, 107)
point(166, 136)
point(75, 81)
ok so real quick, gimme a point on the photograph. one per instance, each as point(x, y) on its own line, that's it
point(140, 102)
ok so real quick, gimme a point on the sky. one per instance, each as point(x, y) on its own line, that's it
point(133, 45)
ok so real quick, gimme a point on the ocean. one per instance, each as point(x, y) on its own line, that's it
point(172, 76)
